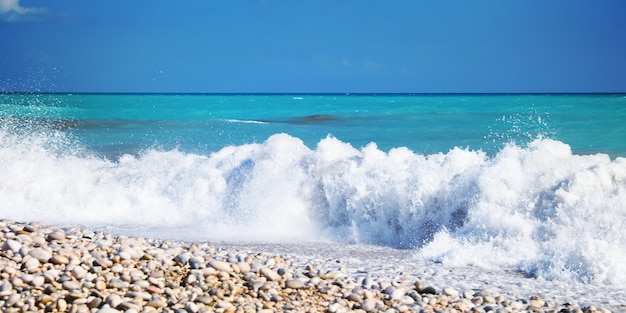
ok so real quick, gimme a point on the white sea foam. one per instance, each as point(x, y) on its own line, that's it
point(538, 209)
point(245, 121)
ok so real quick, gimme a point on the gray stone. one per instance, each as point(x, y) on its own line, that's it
point(56, 235)
point(450, 292)
point(40, 254)
point(294, 284)
point(368, 305)
point(11, 245)
point(5, 289)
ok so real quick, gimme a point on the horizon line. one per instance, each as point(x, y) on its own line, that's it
point(306, 93)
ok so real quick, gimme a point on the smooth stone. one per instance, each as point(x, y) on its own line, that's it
point(56, 235)
point(108, 310)
point(270, 274)
point(154, 289)
point(140, 294)
point(38, 281)
point(79, 272)
point(355, 297)
point(450, 292)
point(128, 305)
point(124, 255)
point(45, 299)
point(294, 284)
point(59, 259)
point(220, 266)
point(368, 305)
point(156, 303)
point(143, 284)
point(40, 254)
point(183, 258)
point(244, 267)
point(62, 305)
point(70, 285)
point(191, 307)
point(11, 245)
point(207, 300)
point(32, 263)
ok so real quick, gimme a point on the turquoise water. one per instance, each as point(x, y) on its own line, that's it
point(537, 183)
point(425, 124)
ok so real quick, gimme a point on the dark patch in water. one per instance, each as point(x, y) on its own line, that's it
point(305, 120)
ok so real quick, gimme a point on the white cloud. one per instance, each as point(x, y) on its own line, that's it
point(11, 10)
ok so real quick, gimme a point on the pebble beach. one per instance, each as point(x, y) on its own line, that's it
point(54, 269)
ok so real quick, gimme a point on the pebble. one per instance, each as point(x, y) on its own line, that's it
point(40, 254)
point(76, 270)
point(220, 266)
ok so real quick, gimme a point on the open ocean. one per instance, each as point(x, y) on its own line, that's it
point(522, 193)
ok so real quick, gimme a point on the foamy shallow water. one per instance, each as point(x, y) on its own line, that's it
point(389, 263)
point(375, 261)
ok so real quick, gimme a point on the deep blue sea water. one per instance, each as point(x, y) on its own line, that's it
point(534, 184)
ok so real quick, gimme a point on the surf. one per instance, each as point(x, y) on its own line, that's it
point(537, 208)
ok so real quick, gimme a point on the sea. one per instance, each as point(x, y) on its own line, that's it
point(522, 193)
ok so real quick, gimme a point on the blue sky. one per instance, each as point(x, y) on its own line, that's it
point(313, 46)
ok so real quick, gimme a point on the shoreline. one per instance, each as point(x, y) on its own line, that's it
point(54, 269)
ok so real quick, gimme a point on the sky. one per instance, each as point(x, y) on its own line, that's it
point(313, 46)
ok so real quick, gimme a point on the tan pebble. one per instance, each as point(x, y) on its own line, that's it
point(75, 297)
point(154, 289)
point(45, 299)
point(223, 305)
point(79, 272)
point(59, 259)
point(270, 274)
point(157, 304)
point(489, 299)
point(190, 279)
point(117, 268)
point(61, 305)
point(136, 274)
point(235, 268)
point(70, 285)
point(244, 267)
